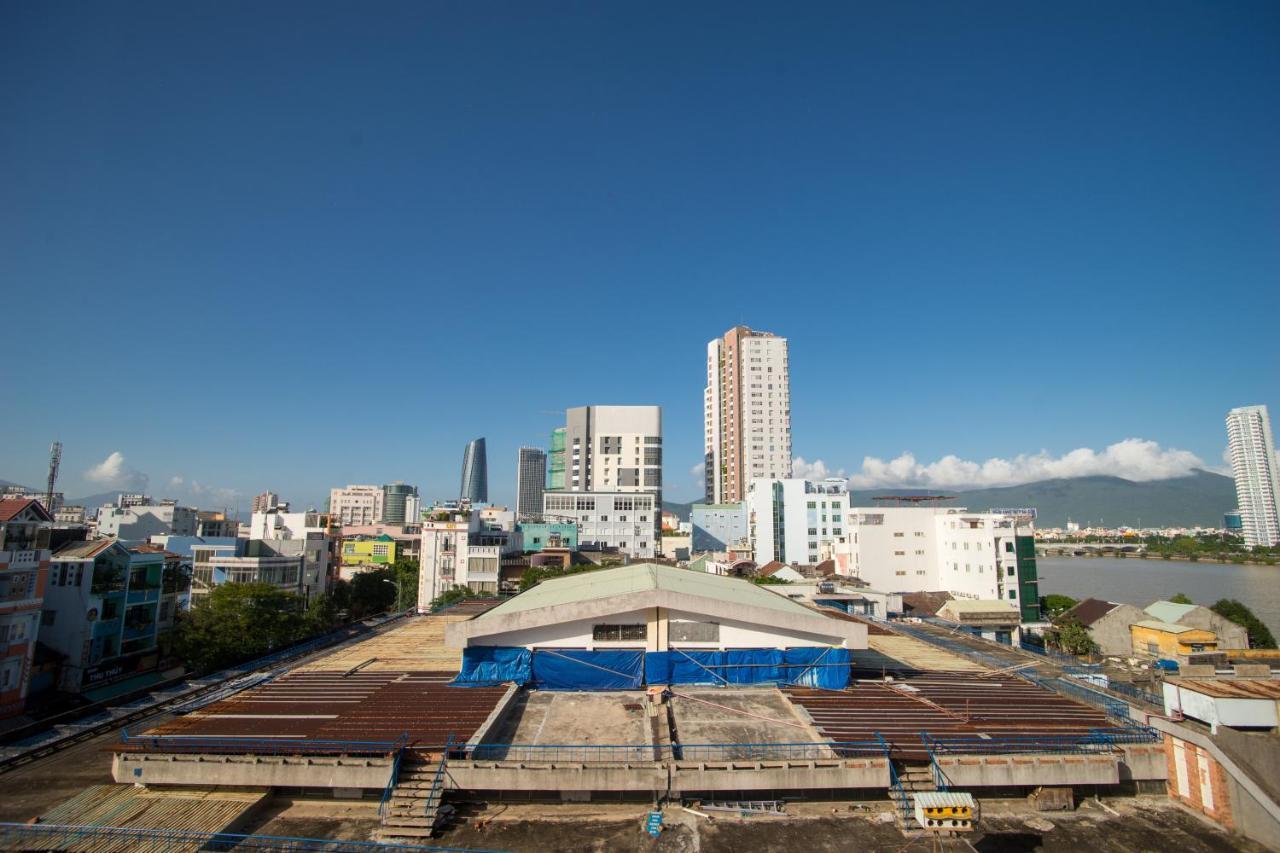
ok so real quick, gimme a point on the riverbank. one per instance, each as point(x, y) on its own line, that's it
point(1137, 581)
point(1122, 555)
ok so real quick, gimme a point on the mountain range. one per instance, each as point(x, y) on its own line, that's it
point(1199, 498)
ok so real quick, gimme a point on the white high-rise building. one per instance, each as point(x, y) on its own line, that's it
point(1253, 463)
point(357, 505)
point(796, 521)
point(746, 413)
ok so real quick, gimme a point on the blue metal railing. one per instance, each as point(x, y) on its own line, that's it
point(395, 775)
point(897, 791)
point(275, 746)
point(19, 836)
point(1115, 708)
point(940, 780)
point(1136, 693)
point(649, 753)
point(431, 808)
point(1095, 741)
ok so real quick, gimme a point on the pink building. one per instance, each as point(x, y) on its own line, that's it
point(24, 570)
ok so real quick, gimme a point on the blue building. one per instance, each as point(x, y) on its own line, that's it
point(540, 535)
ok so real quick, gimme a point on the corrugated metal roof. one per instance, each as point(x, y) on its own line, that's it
point(1231, 688)
point(1167, 627)
point(1167, 611)
point(944, 799)
point(83, 550)
point(645, 577)
point(965, 605)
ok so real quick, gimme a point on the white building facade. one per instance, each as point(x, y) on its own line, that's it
point(1252, 448)
point(357, 504)
point(796, 521)
point(746, 413)
point(627, 521)
point(971, 555)
point(132, 522)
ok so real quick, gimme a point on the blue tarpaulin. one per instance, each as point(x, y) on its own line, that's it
point(826, 668)
point(577, 669)
point(629, 669)
point(488, 665)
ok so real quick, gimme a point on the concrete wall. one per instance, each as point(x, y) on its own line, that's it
point(1111, 632)
point(673, 778)
point(251, 771)
point(1030, 770)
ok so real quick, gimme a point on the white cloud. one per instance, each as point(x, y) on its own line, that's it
point(815, 470)
point(175, 481)
point(115, 473)
point(698, 471)
point(1132, 459)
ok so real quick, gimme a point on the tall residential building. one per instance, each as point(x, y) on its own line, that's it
point(265, 501)
point(616, 450)
point(400, 503)
point(747, 413)
point(356, 505)
point(531, 482)
point(1253, 462)
point(475, 473)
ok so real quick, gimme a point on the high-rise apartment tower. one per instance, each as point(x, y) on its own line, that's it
point(1253, 463)
point(531, 482)
point(747, 413)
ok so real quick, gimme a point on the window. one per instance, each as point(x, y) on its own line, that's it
point(47, 617)
point(614, 633)
point(900, 572)
point(1013, 593)
point(899, 553)
point(1008, 547)
point(898, 534)
point(693, 632)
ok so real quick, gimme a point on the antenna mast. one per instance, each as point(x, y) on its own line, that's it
point(55, 458)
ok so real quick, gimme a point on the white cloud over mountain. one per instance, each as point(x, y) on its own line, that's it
point(1132, 459)
point(114, 472)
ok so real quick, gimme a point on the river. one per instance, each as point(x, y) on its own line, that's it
point(1141, 582)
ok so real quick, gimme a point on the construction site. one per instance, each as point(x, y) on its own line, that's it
point(413, 738)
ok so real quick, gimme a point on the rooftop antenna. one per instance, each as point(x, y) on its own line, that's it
point(55, 458)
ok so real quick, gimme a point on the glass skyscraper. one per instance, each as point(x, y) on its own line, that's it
point(475, 473)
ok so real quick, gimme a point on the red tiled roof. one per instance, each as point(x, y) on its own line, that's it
point(768, 569)
point(1091, 610)
point(10, 508)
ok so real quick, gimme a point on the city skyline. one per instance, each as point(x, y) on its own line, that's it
point(977, 263)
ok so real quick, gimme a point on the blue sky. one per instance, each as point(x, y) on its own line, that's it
point(297, 245)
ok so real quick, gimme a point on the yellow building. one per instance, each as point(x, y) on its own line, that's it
point(1157, 639)
point(369, 552)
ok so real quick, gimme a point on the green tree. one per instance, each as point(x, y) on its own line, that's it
point(1055, 605)
point(1073, 638)
point(322, 615)
point(1182, 598)
point(1259, 634)
point(236, 622)
point(372, 592)
point(769, 581)
point(452, 596)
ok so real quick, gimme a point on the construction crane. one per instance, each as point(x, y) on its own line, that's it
point(55, 457)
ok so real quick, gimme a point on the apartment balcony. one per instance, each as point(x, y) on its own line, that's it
point(22, 558)
point(143, 595)
point(139, 631)
point(106, 628)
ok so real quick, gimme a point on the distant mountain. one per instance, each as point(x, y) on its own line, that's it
point(95, 501)
point(1198, 499)
point(681, 510)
